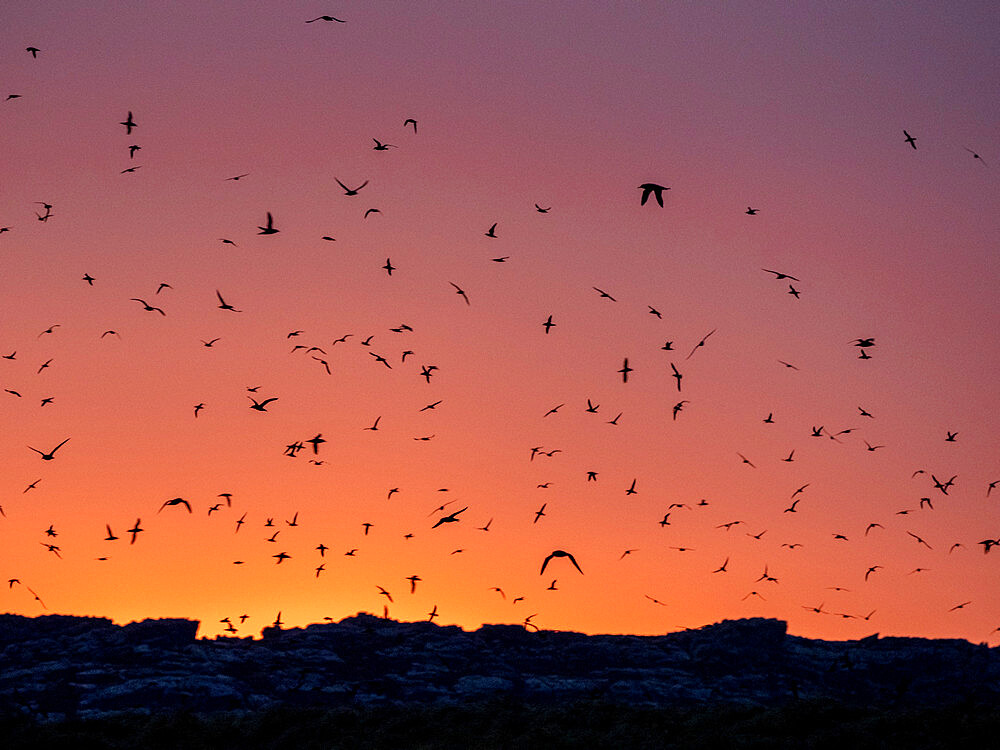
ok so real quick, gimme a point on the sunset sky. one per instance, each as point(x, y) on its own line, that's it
point(796, 110)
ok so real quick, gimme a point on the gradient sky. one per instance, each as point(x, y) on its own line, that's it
point(796, 110)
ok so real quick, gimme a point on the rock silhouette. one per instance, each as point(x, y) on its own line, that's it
point(58, 667)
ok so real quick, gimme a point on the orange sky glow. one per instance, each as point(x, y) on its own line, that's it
point(797, 111)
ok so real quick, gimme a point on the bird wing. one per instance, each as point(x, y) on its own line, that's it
point(573, 560)
point(544, 563)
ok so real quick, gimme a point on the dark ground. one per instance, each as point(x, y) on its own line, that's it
point(508, 724)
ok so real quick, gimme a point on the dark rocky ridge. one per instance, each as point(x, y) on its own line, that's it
point(56, 667)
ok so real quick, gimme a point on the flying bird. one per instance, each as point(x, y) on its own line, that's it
point(559, 553)
point(701, 343)
point(148, 307)
point(778, 275)
point(460, 291)
point(911, 140)
point(268, 227)
point(625, 371)
point(129, 123)
point(176, 501)
point(651, 188)
point(604, 294)
point(135, 530)
point(51, 454)
point(975, 155)
point(261, 405)
point(350, 191)
point(223, 305)
point(676, 375)
point(452, 518)
point(325, 18)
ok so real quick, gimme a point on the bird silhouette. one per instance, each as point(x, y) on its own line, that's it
point(676, 376)
point(148, 307)
point(651, 188)
point(261, 405)
point(350, 191)
point(176, 501)
point(778, 275)
point(223, 305)
point(559, 553)
point(604, 294)
point(451, 518)
point(268, 227)
point(625, 371)
point(135, 530)
point(975, 155)
point(460, 292)
point(51, 454)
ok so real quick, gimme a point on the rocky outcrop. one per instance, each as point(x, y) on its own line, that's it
point(58, 666)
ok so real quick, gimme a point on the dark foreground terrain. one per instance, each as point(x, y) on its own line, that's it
point(514, 724)
point(369, 682)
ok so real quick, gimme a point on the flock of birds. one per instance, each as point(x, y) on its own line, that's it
point(444, 515)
